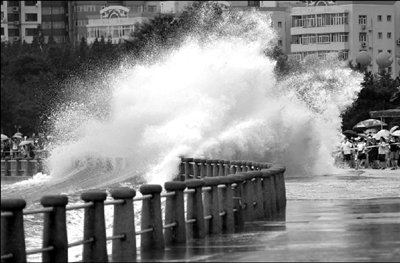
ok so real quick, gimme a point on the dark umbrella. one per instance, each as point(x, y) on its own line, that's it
point(350, 133)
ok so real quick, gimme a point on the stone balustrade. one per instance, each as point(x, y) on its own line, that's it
point(220, 196)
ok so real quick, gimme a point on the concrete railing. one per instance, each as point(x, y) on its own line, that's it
point(20, 168)
point(217, 197)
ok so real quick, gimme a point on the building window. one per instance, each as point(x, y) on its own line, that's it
point(31, 31)
point(389, 35)
point(389, 51)
point(389, 18)
point(13, 3)
point(12, 17)
point(30, 3)
point(31, 17)
point(362, 37)
point(279, 24)
point(151, 9)
point(379, 51)
point(362, 20)
point(379, 18)
point(254, 3)
point(13, 32)
point(380, 35)
point(279, 42)
point(2, 31)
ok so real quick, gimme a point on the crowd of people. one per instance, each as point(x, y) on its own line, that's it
point(19, 146)
point(368, 151)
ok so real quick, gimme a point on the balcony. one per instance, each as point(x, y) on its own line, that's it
point(319, 46)
point(319, 30)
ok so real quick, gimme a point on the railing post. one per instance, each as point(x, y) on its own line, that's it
point(227, 170)
point(255, 181)
point(221, 169)
point(209, 171)
point(272, 194)
point(211, 206)
point(24, 168)
point(233, 167)
point(12, 230)
point(196, 168)
point(237, 202)
point(4, 167)
point(175, 212)
point(195, 209)
point(14, 167)
point(226, 197)
point(152, 218)
point(186, 166)
point(55, 228)
point(124, 249)
point(248, 193)
point(266, 190)
point(33, 166)
point(94, 227)
point(202, 164)
point(215, 168)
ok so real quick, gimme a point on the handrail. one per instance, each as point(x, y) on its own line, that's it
point(5, 214)
point(122, 236)
point(38, 250)
point(39, 211)
point(84, 205)
point(114, 202)
point(172, 193)
point(81, 242)
point(144, 231)
point(143, 197)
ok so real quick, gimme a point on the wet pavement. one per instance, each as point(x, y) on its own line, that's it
point(314, 230)
point(352, 216)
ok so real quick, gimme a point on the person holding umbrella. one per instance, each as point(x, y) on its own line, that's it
point(360, 152)
point(383, 150)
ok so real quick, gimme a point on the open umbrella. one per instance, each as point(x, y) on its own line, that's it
point(25, 143)
point(396, 133)
point(370, 123)
point(382, 133)
point(393, 129)
point(17, 135)
point(350, 133)
point(4, 137)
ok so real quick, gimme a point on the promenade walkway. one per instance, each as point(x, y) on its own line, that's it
point(328, 229)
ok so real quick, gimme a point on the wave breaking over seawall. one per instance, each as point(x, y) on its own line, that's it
point(214, 99)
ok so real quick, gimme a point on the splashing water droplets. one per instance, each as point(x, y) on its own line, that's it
point(215, 99)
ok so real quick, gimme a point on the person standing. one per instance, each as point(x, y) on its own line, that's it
point(360, 152)
point(346, 148)
point(383, 149)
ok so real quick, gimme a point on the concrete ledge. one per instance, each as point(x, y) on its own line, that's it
point(94, 196)
point(54, 200)
point(123, 193)
point(174, 185)
point(187, 159)
point(211, 181)
point(193, 183)
point(150, 189)
point(12, 204)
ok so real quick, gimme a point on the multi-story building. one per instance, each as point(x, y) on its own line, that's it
point(20, 20)
point(173, 7)
point(280, 17)
point(4, 23)
point(117, 20)
point(55, 21)
point(346, 28)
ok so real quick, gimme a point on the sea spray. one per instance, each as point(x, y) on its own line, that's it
point(215, 99)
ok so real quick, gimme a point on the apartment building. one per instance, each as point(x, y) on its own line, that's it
point(55, 21)
point(346, 28)
point(20, 20)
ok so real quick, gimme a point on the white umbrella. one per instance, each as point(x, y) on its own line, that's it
point(4, 137)
point(382, 133)
point(25, 143)
point(396, 133)
point(393, 129)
